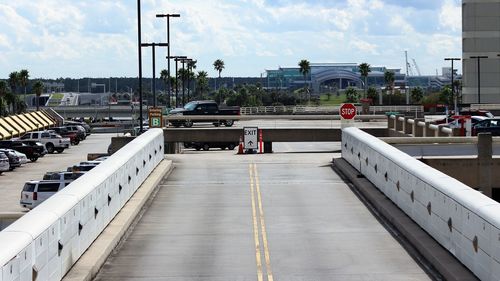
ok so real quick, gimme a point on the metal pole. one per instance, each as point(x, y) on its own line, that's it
point(189, 80)
point(140, 62)
point(154, 75)
point(168, 63)
point(176, 83)
point(478, 80)
point(183, 80)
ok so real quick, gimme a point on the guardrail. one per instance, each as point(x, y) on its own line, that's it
point(462, 220)
point(47, 241)
point(418, 127)
point(268, 117)
point(326, 109)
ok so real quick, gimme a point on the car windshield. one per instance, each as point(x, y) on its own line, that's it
point(29, 187)
point(190, 106)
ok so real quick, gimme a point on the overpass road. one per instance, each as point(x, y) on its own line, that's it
point(281, 216)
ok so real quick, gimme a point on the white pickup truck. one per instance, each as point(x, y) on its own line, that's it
point(53, 142)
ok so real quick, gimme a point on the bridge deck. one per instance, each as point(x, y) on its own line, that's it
point(206, 224)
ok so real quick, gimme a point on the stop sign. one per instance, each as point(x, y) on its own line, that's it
point(347, 111)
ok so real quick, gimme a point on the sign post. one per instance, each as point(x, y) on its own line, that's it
point(347, 113)
point(250, 138)
point(155, 115)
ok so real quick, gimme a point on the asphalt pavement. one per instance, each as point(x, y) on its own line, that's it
point(282, 216)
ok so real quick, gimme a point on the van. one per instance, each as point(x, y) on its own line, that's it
point(35, 192)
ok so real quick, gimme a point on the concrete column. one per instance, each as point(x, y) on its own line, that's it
point(268, 147)
point(428, 132)
point(399, 124)
point(417, 130)
point(172, 147)
point(484, 157)
point(390, 122)
point(408, 128)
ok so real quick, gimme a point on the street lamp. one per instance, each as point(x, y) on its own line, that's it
point(190, 66)
point(168, 16)
point(455, 98)
point(140, 62)
point(153, 45)
point(177, 59)
point(479, 76)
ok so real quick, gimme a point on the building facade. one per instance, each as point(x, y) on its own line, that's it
point(481, 38)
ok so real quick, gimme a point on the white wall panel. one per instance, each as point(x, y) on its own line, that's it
point(53, 236)
point(461, 219)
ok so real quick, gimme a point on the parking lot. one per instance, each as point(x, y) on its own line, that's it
point(11, 183)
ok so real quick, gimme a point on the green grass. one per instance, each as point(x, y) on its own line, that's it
point(57, 96)
point(334, 100)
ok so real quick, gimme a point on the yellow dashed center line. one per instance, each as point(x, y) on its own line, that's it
point(254, 173)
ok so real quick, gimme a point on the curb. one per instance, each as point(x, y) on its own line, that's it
point(89, 264)
point(421, 244)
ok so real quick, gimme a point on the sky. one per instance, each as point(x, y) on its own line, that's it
point(98, 38)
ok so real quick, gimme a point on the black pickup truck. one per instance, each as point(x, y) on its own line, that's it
point(203, 108)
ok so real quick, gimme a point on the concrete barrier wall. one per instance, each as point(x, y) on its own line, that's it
point(462, 220)
point(47, 241)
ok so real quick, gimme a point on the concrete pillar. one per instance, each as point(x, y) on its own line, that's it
point(408, 128)
point(417, 130)
point(171, 147)
point(390, 122)
point(484, 157)
point(399, 124)
point(427, 131)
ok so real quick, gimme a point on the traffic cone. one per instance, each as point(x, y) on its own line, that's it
point(240, 147)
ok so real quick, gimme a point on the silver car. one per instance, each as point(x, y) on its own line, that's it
point(4, 163)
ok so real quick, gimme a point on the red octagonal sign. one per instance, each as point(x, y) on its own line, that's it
point(347, 111)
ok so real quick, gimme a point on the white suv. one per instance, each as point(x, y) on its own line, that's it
point(53, 142)
point(35, 192)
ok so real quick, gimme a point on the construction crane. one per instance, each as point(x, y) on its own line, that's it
point(416, 67)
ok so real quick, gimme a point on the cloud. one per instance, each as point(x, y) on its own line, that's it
point(450, 16)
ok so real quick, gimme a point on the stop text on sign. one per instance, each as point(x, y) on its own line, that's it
point(348, 111)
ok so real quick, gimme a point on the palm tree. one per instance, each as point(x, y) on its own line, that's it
point(23, 80)
point(364, 69)
point(389, 81)
point(165, 76)
point(218, 66)
point(3, 92)
point(305, 68)
point(38, 90)
point(201, 83)
point(13, 81)
point(191, 65)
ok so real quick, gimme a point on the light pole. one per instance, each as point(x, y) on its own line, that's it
point(455, 98)
point(177, 59)
point(140, 62)
point(479, 76)
point(168, 16)
point(153, 45)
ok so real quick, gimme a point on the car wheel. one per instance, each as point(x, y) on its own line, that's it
point(75, 142)
point(229, 123)
point(231, 146)
point(206, 147)
point(223, 148)
point(50, 148)
point(60, 150)
point(33, 159)
point(198, 148)
point(188, 124)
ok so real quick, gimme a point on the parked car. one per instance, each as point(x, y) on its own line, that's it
point(203, 108)
point(88, 129)
point(207, 145)
point(35, 192)
point(31, 150)
point(457, 124)
point(487, 126)
point(450, 118)
point(37, 146)
point(77, 129)
point(52, 142)
point(81, 168)
point(13, 158)
point(74, 138)
point(4, 163)
point(22, 157)
point(62, 176)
